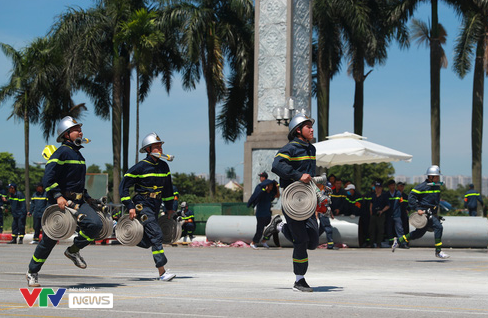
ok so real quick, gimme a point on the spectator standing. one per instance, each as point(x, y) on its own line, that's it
point(471, 199)
point(264, 193)
point(16, 199)
point(338, 198)
point(377, 208)
point(404, 208)
point(3, 201)
point(39, 203)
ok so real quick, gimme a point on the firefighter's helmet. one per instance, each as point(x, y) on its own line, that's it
point(150, 139)
point(64, 125)
point(433, 171)
point(296, 122)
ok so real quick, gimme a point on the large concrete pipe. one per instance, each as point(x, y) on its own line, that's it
point(231, 228)
point(458, 231)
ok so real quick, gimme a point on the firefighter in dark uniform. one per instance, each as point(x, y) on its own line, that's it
point(338, 198)
point(64, 180)
point(471, 199)
point(152, 184)
point(404, 208)
point(189, 221)
point(424, 197)
point(39, 203)
point(16, 199)
point(296, 162)
point(3, 201)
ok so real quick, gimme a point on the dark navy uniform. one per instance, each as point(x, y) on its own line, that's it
point(404, 212)
point(394, 225)
point(152, 184)
point(291, 162)
point(338, 198)
point(261, 199)
point(65, 176)
point(19, 212)
point(39, 203)
point(471, 199)
point(2, 195)
point(189, 226)
point(422, 197)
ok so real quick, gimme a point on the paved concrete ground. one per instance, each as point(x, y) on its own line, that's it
point(241, 282)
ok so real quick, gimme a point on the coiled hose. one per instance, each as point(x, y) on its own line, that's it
point(418, 221)
point(59, 225)
point(299, 200)
point(107, 225)
point(129, 232)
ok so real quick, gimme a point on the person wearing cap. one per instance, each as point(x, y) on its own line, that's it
point(188, 218)
point(377, 208)
point(296, 162)
point(424, 199)
point(354, 201)
point(16, 200)
point(264, 193)
point(64, 182)
point(471, 199)
point(3, 201)
point(151, 179)
point(394, 227)
point(404, 208)
point(39, 203)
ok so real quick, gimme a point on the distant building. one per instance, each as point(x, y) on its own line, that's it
point(219, 178)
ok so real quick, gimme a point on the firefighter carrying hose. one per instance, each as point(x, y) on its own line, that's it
point(152, 184)
point(424, 199)
point(64, 180)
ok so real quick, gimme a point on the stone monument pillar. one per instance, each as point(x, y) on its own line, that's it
point(283, 64)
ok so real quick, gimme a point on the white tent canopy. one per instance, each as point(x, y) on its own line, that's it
point(348, 148)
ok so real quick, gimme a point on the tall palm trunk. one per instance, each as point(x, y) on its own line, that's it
point(137, 114)
point(477, 115)
point(323, 93)
point(359, 111)
point(26, 150)
point(126, 119)
point(435, 83)
point(116, 130)
point(212, 101)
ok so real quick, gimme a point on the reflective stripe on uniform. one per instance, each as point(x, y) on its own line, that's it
point(471, 194)
point(86, 236)
point(158, 252)
point(438, 244)
point(54, 185)
point(38, 260)
point(61, 162)
point(124, 198)
point(428, 191)
point(16, 199)
point(296, 158)
point(168, 199)
point(39, 198)
point(295, 260)
point(147, 175)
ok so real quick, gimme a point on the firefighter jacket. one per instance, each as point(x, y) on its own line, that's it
point(38, 203)
point(404, 204)
point(187, 216)
point(354, 204)
point(17, 204)
point(65, 173)
point(2, 195)
point(338, 198)
point(293, 160)
point(425, 196)
point(470, 199)
point(394, 200)
point(152, 185)
point(261, 199)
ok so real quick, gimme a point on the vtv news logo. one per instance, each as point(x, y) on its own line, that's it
point(76, 300)
point(43, 294)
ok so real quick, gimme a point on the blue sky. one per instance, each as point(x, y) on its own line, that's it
point(396, 109)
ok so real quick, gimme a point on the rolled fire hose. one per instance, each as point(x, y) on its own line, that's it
point(299, 199)
point(129, 232)
point(107, 225)
point(60, 225)
point(418, 221)
point(171, 229)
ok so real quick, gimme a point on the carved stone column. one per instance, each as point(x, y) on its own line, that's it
point(283, 63)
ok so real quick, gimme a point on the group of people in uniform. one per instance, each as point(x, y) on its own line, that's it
point(64, 182)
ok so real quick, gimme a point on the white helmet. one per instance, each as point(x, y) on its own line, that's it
point(64, 125)
point(433, 171)
point(150, 139)
point(295, 123)
point(183, 204)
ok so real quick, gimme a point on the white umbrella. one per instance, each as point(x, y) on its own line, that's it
point(349, 148)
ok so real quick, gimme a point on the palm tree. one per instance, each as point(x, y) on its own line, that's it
point(99, 65)
point(327, 56)
point(35, 87)
point(471, 44)
point(207, 27)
